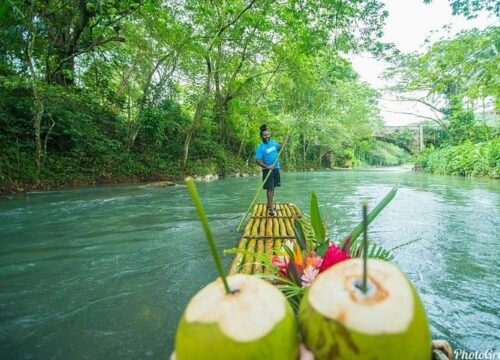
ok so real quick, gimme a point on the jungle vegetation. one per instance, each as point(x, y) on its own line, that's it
point(105, 91)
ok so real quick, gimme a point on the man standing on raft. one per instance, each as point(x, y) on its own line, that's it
point(266, 155)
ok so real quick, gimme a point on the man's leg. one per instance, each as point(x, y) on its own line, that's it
point(270, 193)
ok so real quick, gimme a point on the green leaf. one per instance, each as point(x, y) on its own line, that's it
point(350, 241)
point(299, 234)
point(289, 252)
point(294, 273)
point(321, 249)
point(317, 223)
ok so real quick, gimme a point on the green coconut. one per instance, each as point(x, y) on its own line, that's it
point(254, 322)
point(339, 321)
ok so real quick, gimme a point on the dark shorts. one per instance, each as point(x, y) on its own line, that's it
point(273, 180)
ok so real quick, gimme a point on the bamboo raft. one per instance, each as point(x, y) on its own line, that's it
point(264, 235)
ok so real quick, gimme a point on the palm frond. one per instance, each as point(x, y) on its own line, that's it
point(375, 251)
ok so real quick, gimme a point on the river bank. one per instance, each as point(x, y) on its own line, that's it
point(7, 190)
point(19, 188)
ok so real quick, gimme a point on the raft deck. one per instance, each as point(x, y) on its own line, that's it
point(264, 235)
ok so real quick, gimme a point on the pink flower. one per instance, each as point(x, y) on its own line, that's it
point(333, 255)
point(308, 276)
point(313, 260)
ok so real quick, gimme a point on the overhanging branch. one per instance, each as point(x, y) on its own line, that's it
point(93, 45)
point(438, 121)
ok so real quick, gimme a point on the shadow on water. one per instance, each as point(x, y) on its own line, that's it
point(106, 272)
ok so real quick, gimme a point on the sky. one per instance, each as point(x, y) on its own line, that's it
point(409, 23)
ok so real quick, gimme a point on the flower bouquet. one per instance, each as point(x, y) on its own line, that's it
point(300, 262)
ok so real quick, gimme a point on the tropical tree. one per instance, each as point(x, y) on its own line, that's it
point(470, 9)
point(453, 75)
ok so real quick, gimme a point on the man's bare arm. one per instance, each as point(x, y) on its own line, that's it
point(262, 165)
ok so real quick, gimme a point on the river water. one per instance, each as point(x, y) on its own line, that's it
point(105, 272)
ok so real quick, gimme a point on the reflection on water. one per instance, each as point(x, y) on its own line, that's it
point(106, 272)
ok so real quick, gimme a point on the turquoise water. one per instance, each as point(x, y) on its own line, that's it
point(105, 272)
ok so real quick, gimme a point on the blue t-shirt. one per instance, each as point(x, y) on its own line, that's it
point(268, 152)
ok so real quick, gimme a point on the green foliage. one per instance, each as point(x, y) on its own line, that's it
point(292, 291)
point(311, 230)
point(461, 67)
point(152, 89)
point(463, 127)
point(316, 221)
point(402, 137)
point(379, 153)
point(467, 159)
point(470, 9)
point(352, 242)
point(458, 78)
point(85, 142)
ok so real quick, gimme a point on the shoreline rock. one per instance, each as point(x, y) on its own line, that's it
point(161, 184)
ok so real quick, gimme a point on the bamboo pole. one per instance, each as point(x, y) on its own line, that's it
point(262, 227)
point(282, 227)
point(255, 211)
point(248, 227)
point(294, 209)
point(267, 237)
point(248, 264)
point(269, 253)
point(291, 208)
point(238, 258)
point(289, 228)
point(255, 227)
point(297, 211)
point(277, 247)
point(276, 227)
point(269, 227)
point(257, 268)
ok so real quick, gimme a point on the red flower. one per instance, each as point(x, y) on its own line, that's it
point(332, 256)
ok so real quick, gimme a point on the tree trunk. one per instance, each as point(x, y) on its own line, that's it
point(192, 128)
point(320, 158)
point(64, 73)
point(47, 135)
point(37, 121)
point(37, 117)
point(304, 152)
point(220, 100)
point(197, 114)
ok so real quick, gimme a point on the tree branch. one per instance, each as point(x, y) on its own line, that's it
point(438, 121)
point(273, 72)
point(225, 27)
point(87, 49)
point(423, 102)
point(238, 67)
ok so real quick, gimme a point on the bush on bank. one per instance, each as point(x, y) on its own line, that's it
point(467, 159)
